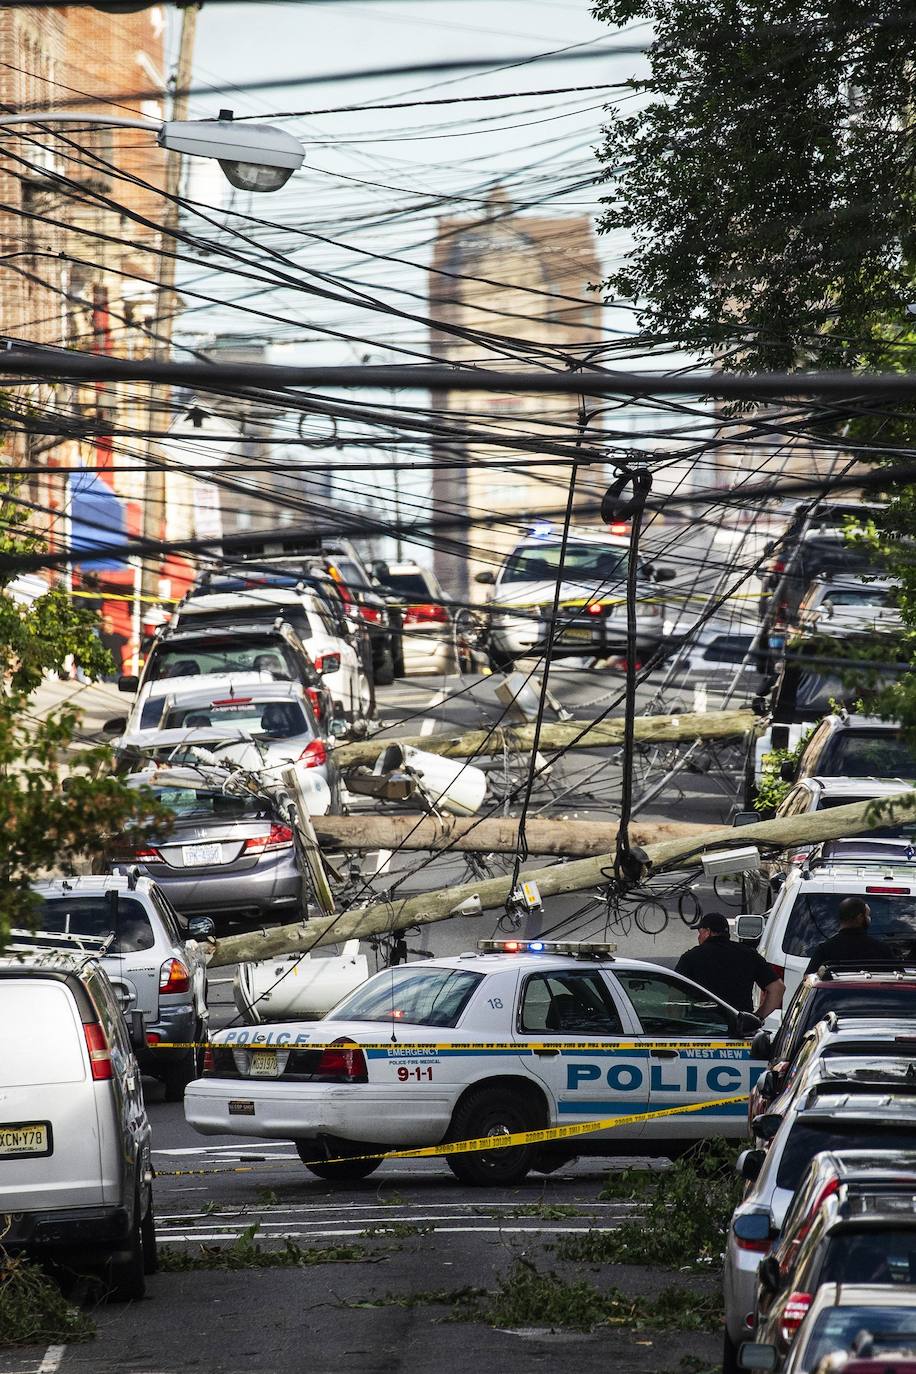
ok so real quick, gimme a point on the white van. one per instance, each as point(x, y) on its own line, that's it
point(75, 1170)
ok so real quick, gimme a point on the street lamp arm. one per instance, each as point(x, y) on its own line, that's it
point(50, 116)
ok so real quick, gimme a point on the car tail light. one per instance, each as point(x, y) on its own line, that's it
point(99, 1053)
point(278, 837)
point(314, 754)
point(233, 701)
point(619, 527)
point(374, 614)
point(752, 1231)
point(153, 1037)
point(315, 701)
point(896, 891)
point(778, 565)
point(174, 977)
point(209, 1064)
point(793, 1314)
point(342, 1062)
point(426, 615)
point(596, 608)
point(146, 856)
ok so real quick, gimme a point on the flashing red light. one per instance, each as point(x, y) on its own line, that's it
point(314, 754)
point(99, 1053)
point(278, 837)
point(511, 946)
point(595, 608)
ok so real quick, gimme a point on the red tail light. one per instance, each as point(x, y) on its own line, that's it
point(209, 1065)
point(328, 663)
point(752, 1232)
point(278, 837)
point(315, 701)
point(778, 565)
point(174, 977)
point(897, 891)
point(793, 1314)
point(153, 1037)
point(373, 614)
point(426, 615)
point(595, 608)
point(314, 754)
point(344, 1063)
point(99, 1053)
point(146, 856)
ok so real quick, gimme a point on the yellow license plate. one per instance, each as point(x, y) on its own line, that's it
point(264, 1064)
point(573, 633)
point(25, 1138)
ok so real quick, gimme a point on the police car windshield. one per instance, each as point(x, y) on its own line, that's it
point(541, 562)
point(837, 1327)
point(99, 917)
point(808, 1138)
point(814, 918)
point(417, 996)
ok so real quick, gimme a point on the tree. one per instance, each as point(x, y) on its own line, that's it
point(43, 825)
point(767, 179)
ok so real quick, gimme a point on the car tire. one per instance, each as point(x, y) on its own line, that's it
point(729, 1355)
point(384, 668)
point(177, 1075)
point(500, 662)
point(494, 1111)
point(148, 1237)
point(125, 1272)
point(338, 1170)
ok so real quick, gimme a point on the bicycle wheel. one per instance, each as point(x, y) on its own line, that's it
point(689, 909)
point(651, 918)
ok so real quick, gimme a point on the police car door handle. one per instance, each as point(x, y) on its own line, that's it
point(664, 1054)
point(546, 1054)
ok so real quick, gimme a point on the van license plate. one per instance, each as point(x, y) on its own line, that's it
point(24, 1138)
point(197, 855)
point(263, 1064)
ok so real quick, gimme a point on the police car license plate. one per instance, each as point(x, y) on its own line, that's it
point(572, 632)
point(25, 1138)
point(263, 1064)
point(196, 855)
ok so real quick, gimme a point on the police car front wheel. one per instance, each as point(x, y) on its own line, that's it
point(494, 1112)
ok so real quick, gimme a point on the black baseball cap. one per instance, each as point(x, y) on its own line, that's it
point(714, 922)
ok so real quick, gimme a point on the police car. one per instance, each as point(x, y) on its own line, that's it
point(522, 1035)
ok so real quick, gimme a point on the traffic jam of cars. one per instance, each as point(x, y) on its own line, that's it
point(521, 1054)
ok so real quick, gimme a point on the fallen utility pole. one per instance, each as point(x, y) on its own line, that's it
point(576, 734)
point(579, 874)
point(567, 838)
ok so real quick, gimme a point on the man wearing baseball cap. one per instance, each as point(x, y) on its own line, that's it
point(730, 971)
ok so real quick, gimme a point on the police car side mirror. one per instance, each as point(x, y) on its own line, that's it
point(128, 682)
point(766, 1125)
point(762, 1046)
point(746, 1024)
point(749, 1163)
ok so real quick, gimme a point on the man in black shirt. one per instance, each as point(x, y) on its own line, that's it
point(852, 945)
point(729, 970)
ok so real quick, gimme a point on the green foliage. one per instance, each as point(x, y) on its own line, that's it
point(33, 1311)
point(685, 1217)
point(246, 1253)
point(771, 789)
point(766, 177)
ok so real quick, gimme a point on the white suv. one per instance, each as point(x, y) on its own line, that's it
point(75, 1173)
point(804, 913)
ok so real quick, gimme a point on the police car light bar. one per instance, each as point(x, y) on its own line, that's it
point(577, 949)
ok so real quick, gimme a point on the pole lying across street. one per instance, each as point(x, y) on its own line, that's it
point(576, 876)
point(496, 835)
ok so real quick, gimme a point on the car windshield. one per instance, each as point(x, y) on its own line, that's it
point(853, 596)
point(836, 1328)
point(203, 804)
point(808, 1138)
point(884, 1255)
point(868, 754)
point(408, 584)
point(99, 917)
point(541, 562)
point(814, 919)
point(270, 719)
point(229, 655)
point(420, 996)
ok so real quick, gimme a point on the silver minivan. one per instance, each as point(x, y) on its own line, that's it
point(75, 1170)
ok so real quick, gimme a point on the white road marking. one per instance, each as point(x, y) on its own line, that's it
point(52, 1359)
point(317, 1235)
point(385, 1209)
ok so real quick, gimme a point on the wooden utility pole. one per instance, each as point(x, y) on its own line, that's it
point(569, 839)
point(576, 876)
point(560, 735)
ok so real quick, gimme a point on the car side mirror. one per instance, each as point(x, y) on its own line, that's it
point(746, 818)
point(201, 927)
point(762, 1046)
point(769, 1275)
point(749, 1163)
point(766, 1125)
point(756, 1355)
point(664, 574)
point(330, 663)
point(338, 728)
point(749, 929)
point(747, 1024)
point(128, 682)
point(787, 770)
point(115, 725)
point(487, 578)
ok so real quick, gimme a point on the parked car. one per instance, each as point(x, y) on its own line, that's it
point(861, 1122)
point(844, 1322)
point(75, 1181)
point(229, 853)
point(592, 608)
point(804, 913)
point(429, 634)
point(823, 794)
point(853, 746)
point(815, 542)
point(865, 994)
point(367, 602)
point(154, 957)
point(844, 604)
point(852, 1221)
point(333, 655)
point(849, 1064)
point(264, 727)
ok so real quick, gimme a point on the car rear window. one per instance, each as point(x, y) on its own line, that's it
point(229, 655)
point(99, 917)
point(271, 719)
point(885, 1001)
point(861, 754)
point(835, 1328)
point(814, 918)
point(876, 1255)
point(40, 1035)
point(729, 648)
point(806, 1139)
point(408, 584)
point(200, 804)
point(418, 996)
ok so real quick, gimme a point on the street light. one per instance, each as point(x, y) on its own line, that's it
point(254, 157)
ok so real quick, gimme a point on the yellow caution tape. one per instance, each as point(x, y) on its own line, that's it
point(394, 1048)
point(102, 595)
point(481, 1144)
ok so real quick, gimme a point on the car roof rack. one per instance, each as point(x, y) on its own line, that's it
point(889, 968)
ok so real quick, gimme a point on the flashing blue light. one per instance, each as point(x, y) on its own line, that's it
point(535, 946)
point(541, 529)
